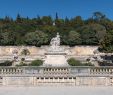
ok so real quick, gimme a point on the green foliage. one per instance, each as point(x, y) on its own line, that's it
point(33, 63)
point(96, 30)
point(106, 45)
point(73, 38)
point(73, 62)
point(87, 64)
point(36, 63)
point(104, 63)
point(47, 20)
point(22, 64)
point(36, 38)
point(98, 16)
point(6, 63)
point(77, 22)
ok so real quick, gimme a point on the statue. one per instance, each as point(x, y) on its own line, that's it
point(55, 55)
point(55, 41)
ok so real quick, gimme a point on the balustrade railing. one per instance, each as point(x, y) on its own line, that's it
point(56, 71)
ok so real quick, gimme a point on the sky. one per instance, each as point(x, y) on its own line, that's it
point(69, 8)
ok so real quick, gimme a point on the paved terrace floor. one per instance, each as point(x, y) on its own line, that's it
point(56, 90)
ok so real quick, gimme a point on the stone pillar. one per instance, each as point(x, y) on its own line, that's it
point(77, 81)
point(5, 81)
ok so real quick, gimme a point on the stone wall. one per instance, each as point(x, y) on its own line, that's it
point(72, 76)
point(8, 50)
point(83, 50)
point(77, 50)
point(65, 81)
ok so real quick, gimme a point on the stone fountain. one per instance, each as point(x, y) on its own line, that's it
point(55, 55)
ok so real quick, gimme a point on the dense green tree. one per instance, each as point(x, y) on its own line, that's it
point(73, 38)
point(96, 30)
point(98, 16)
point(7, 38)
point(77, 21)
point(47, 20)
point(88, 36)
point(18, 18)
point(59, 22)
point(36, 38)
point(7, 19)
point(67, 22)
point(56, 16)
point(106, 45)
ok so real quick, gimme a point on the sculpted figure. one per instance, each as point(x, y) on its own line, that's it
point(55, 41)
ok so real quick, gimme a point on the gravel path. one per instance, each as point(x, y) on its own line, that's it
point(56, 90)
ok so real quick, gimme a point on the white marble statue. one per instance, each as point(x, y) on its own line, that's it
point(55, 45)
point(55, 41)
point(55, 55)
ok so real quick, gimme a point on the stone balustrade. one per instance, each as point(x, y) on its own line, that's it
point(74, 71)
point(72, 76)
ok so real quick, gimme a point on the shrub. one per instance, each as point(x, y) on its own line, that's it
point(22, 59)
point(104, 63)
point(25, 52)
point(36, 63)
point(22, 64)
point(87, 64)
point(74, 62)
point(6, 63)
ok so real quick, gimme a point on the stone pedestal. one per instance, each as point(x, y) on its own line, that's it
point(55, 59)
point(55, 55)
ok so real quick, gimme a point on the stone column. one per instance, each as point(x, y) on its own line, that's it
point(77, 81)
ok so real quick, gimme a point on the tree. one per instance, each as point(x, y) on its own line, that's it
point(38, 20)
point(47, 20)
point(77, 22)
point(67, 22)
point(7, 38)
point(18, 18)
point(98, 16)
point(59, 22)
point(92, 34)
point(36, 38)
point(87, 32)
point(7, 19)
point(73, 38)
point(56, 16)
point(88, 36)
point(106, 45)
point(100, 31)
